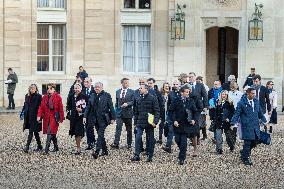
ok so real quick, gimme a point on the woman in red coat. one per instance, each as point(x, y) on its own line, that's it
point(51, 112)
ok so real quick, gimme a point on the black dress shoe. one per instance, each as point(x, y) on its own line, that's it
point(167, 149)
point(8, 108)
point(104, 153)
point(247, 162)
point(114, 146)
point(204, 138)
point(135, 158)
point(220, 151)
point(38, 149)
point(77, 153)
point(181, 162)
point(159, 141)
point(149, 159)
point(89, 147)
point(129, 146)
point(95, 155)
point(13, 108)
point(26, 149)
point(232, 149)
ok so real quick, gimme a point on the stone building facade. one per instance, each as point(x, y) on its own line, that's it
point(47, 40)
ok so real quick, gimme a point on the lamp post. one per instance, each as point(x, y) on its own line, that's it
point(178, 24)
point(255, 25)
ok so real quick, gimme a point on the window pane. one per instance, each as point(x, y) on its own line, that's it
point(42, 31)
point(58, 47)
point(42, 3)
point(144, 48)
point(57, 63)
point(42, 63)
point(58, 31)
point(144, 4)
point(129, 49)
point(59, 4)
point(42, 47)
point(51, 3)
point(129, 3)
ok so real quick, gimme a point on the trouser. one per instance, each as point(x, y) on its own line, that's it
point(170, 134)
point(128, 125)
point(247, 147)
point(219, 138)
point(181, 140)
point(150, 140)
point(101, 141)
point(90, 135)
point(30, 137)
point(161, 128)
point(11, 100)
point(51, 137)
point(202, 125)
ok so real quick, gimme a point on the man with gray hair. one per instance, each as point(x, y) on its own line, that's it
point(227, 86)
point(100, 113)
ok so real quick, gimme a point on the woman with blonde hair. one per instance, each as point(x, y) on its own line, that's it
point(29, 115)
point(223, 115)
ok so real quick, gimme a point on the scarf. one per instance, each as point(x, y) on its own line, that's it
point(50, 103)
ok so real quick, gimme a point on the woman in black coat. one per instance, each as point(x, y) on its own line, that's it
point(76, 105)
point(223, 114)
point(182, 112)
point(29, 114)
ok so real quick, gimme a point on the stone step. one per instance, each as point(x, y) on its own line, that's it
point(3, 110)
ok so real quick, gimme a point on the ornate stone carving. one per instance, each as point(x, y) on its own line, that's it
point(221, 4)
point(233, 22)
point(209, 22)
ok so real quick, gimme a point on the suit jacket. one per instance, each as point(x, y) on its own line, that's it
point(98, 106)
point(264, 99)
point(200, 92)
point(249, 118)
point(84, 91)
point(126, 112)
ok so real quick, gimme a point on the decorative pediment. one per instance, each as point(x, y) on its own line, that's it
point(222, 4)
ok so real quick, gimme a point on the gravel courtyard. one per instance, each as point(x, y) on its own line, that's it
point(64, 170)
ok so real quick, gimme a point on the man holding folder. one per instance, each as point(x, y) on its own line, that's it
point(146, 117)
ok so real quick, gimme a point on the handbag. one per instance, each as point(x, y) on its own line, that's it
point(57, 117)
point(265, 138)
point(212, 127)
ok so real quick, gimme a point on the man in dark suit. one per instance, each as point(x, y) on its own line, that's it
point(249, 112)
point(249, 80)
point(182, 116)
point(262, 95)
point(88, 91)
point(156, 92)
point(100, 112)
point(146, 104)
point(124, 112)
point(200, 93)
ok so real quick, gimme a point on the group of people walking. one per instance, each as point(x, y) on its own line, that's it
point(178, 111)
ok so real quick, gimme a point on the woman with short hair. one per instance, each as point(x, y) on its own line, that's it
point(76, 105)
point(51, 112)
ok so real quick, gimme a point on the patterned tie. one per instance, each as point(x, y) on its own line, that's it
point(123, 93)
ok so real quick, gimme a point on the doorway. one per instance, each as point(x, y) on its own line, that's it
point(221, 53)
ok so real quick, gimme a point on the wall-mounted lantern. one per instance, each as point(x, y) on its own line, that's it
point(255, 25)
point(178, 24)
